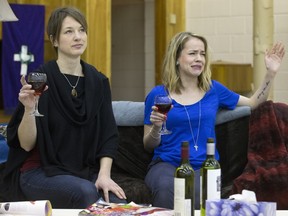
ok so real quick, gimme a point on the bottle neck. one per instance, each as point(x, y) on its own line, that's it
point(210, 150)
point(185, 154)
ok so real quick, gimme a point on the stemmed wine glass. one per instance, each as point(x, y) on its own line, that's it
point(163, 103)
point(38, 82)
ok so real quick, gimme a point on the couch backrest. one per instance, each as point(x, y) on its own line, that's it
point(130, 113)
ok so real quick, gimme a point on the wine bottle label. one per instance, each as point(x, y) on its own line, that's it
point(182, 206)
point(214, 184)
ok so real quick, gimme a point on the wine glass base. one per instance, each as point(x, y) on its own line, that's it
point(165, 132)
point(36, 114)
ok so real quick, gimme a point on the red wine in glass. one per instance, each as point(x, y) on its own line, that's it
point(163, 108)
point(38, 86)
point(38, 83)
point(163, 103)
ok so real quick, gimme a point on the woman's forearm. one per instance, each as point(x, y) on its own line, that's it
point(105, 166)
point(151, 137)
point(262, 92)
point(27, 131)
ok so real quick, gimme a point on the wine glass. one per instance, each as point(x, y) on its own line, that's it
point(163, 103)
point(38, 82)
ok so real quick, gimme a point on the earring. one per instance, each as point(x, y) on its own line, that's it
point(177, 63)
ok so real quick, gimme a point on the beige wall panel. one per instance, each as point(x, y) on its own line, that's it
point(263, 28)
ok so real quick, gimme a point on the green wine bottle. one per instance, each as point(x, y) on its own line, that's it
point(210, 178)
point(184, 194)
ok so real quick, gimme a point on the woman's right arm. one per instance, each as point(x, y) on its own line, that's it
point(27, 132)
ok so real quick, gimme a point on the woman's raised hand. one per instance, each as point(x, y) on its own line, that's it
point(273, 57)
point(26, 94)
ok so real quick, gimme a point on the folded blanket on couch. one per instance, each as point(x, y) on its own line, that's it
point(266, 172)
point(3, 131)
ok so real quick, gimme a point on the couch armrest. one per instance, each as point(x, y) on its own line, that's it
point(232, 133)
point(232, 141)
point(225, 115)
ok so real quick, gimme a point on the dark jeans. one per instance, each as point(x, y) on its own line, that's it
point(160, 180)
point(63, 191)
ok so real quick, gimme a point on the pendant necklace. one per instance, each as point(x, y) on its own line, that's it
point(74, 92)
point(199, 122)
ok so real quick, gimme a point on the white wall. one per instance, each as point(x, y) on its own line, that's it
point(228, 27)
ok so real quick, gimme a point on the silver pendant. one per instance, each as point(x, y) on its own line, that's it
point(196, 147)
point(74, 92)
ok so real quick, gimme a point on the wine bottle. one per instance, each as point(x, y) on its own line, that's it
point(184, 194)
point(210, 178)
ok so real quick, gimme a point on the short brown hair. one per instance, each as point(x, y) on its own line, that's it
point(56, 19)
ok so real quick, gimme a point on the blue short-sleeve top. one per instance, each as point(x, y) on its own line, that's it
point(169, 149)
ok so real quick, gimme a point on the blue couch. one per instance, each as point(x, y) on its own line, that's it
point(129, 168)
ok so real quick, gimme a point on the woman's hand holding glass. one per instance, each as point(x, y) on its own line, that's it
point(38, 84)
point(162, 105)
point(27, 95)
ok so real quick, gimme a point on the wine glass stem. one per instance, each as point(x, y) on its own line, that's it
point(36, 104)
point(164, 126)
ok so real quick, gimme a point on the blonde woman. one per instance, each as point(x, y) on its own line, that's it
point(195, 101)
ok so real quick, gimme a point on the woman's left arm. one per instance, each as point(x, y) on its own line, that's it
point(273, 59)
point(104, 181)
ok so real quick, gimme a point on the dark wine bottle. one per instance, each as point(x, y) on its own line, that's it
point(210, 179)
point(184, 193)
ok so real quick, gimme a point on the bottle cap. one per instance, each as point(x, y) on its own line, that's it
point(185, 143)
point(210, 146)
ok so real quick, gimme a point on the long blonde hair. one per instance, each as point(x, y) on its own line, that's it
point(170, 72)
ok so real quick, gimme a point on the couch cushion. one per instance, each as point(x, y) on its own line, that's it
point(135, 188)
point(131, 155)
point(130, 165)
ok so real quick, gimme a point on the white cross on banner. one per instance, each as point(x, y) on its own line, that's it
point(25, 58)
